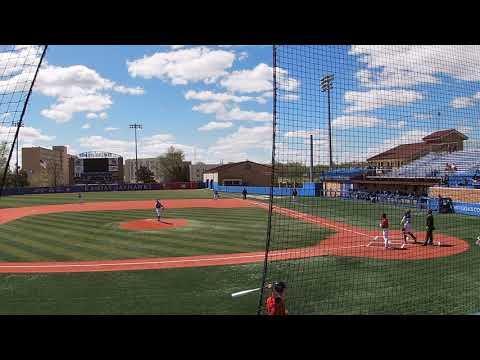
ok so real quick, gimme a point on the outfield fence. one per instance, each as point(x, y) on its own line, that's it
point(96, 188)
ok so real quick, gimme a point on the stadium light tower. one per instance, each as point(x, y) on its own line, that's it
point(135, 127)
point(327, 84)
point(15, 124)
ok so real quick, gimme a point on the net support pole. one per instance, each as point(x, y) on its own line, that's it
point(272, 181)
point(311, 158)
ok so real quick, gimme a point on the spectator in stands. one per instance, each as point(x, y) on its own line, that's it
point(430, 228)
point(447, 167)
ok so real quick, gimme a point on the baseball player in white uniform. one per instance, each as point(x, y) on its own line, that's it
point(407, 227)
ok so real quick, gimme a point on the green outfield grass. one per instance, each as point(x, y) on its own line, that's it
point(97, 236)
point(322, 285)
point(50, 199)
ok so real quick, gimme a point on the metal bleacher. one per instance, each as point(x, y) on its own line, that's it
point(433, 165)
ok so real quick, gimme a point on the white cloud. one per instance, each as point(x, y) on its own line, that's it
point(210, 108)
point(236, 114)
point(221, 97)
point(397, 124)
point(213, 125)
point(100, 143)
point(63, 110)
point(26, 134)
point(18, 83)
point(77, 88)
point(462, 102)
point(374, 99)
point(226, 113)
point(110, 129)
point(259, 79)
point(236, 146)
point(86, 126)
point(128, 90)
point(103, 115)
point(348, 122)
point(70, 81)
point(243, 55)
point(422, 116)
point(395, 66)
point(92, 116)
point(19, 59)
point(176, 47)
point(465, 101)
point(150, 146)
point(183, 66)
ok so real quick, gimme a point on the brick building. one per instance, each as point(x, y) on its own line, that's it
point(246, 173)
point(47, 167)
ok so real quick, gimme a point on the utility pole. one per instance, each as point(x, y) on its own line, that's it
point(16, 124)
point(327, 85)
point(135, 127)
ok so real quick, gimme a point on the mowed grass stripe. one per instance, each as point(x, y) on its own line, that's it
point(13, 252)
point(45, 238)
point(84, 242)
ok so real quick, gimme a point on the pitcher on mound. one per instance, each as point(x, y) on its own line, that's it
point(158, 209)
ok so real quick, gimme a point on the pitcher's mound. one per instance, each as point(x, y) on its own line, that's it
point(152, 224)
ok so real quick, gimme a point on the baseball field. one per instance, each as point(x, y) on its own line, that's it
point(60, 256)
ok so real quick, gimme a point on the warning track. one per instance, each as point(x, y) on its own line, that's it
point(347, 241)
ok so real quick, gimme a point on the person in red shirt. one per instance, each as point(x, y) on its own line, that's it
point(275, 303)
point(384, 227)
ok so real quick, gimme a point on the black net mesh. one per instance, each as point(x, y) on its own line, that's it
point(18, 68)
point(362, 131)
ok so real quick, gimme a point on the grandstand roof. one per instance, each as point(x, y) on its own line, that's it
point(443, 133)
point(405, 151)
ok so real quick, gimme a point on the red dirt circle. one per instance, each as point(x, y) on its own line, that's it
point(152, 224)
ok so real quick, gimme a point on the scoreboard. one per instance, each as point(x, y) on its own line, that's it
point(98, 167)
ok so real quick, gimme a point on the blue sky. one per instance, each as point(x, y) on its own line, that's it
point(155, 81)
point(215, 102)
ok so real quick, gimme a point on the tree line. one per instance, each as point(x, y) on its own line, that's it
point(12, 179)
point(171, 165)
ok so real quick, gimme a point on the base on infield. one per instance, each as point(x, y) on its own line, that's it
point(152, 224)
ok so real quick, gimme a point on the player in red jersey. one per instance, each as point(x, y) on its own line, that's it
point(275, 303)
point(384, 227)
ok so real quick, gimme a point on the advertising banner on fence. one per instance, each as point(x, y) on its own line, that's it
point(112, 187)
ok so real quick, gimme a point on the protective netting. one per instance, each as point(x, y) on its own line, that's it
point(19, 65)
point(404, 136)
